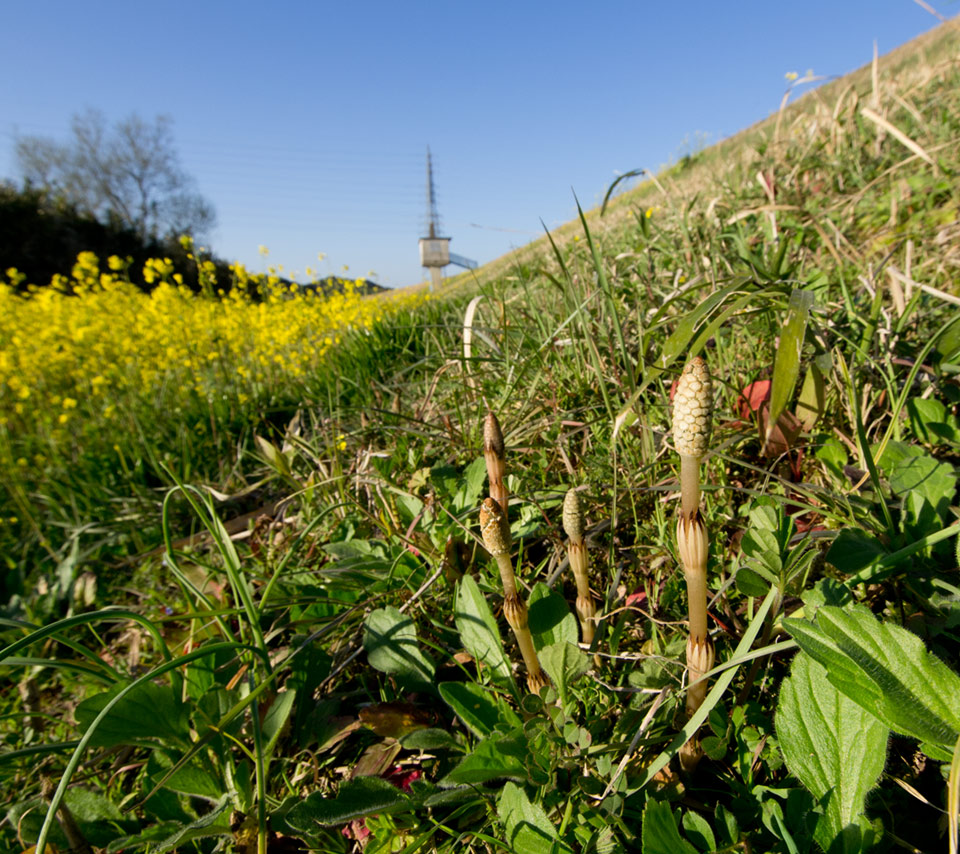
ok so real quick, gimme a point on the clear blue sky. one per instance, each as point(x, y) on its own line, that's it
point(306, 123)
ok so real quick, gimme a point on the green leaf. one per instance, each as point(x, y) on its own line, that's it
point(564, 663)
point(97, 816)
point(480, 709)
point(190, 779)
point(786, 365)
point(854, 549)
point(920, 480)
point(752, 583)
point(698, 830)
point(276, 718)
point(833, 453)
point(356, 799)
point(478, 630)
point(834, 747)
point(492, 759)
point(214, 823)
point(763, 547)
point(468, 494)
point(528, 830)
point(888, 671)
point(550, 618)
point(429, 739)
point(812, 399)
point(142, 838)
point(390, 639)
point(659, 834)
point(727, 825)
point(148, 714)
point(930, 421)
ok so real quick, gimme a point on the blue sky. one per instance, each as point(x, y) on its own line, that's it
point(306, 123)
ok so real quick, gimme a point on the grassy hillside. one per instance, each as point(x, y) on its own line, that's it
point(305, 633)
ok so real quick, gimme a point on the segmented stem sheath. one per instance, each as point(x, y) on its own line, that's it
point(577, 554)
point(494, 454)
point(514, 608)
point(692, 407)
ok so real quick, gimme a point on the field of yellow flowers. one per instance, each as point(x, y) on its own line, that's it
point(98, 377)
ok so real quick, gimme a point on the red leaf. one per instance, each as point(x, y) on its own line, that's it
point(753, 397)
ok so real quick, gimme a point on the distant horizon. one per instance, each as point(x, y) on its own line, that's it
point(307, 127)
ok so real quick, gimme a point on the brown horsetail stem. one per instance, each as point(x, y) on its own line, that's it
point(692, 407)
point(494, 453)
point(577, 554)
point(514, 608)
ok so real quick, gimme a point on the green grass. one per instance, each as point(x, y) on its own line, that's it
point(336, 664)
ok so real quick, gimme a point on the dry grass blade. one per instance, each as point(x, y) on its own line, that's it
point(468, 317)
point(927, 289)
point(894, 131)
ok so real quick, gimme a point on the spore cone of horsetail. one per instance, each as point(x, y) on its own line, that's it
point(494, 454)
point(577, 554)
point(514, 608)
point(692, 410)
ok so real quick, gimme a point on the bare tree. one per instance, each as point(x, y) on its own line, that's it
point(130, 172)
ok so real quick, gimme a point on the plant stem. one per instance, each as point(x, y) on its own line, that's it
point(514, 608)
point(689, 485)
point(494, 454)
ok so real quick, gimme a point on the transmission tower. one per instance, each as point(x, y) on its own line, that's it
point(435, 251)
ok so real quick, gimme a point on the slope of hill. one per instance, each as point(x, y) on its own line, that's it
point(370, 624)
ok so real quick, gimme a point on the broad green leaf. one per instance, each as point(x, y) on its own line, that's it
point(390, 639)
point(550, 617)
point(214, 823)
point(923, 480)
point(812, 399)
point(698, 830)
point(786, 365)
point(190, 779)
point(763, 548)
point(948, 344)
point(752, 582)
point(478, 630)
point(97, 815)
point(357, 798)
point(492, 759)
point(276, 718)
point(446, 797)
point(660, 834)
point(148, 714)
point(480, 709)
point(833, 746)
point(930, 421)
point(429, 739)
point(764, 516)
point(565, 663)
point(726, 824)
point(139, 840)
point(468, 494)
point(893, 454)
point(833, 453)
point(888, 671)
point(527, 828)
point(853, 549)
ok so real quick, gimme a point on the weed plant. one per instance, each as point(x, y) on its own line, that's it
point(335, 674)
